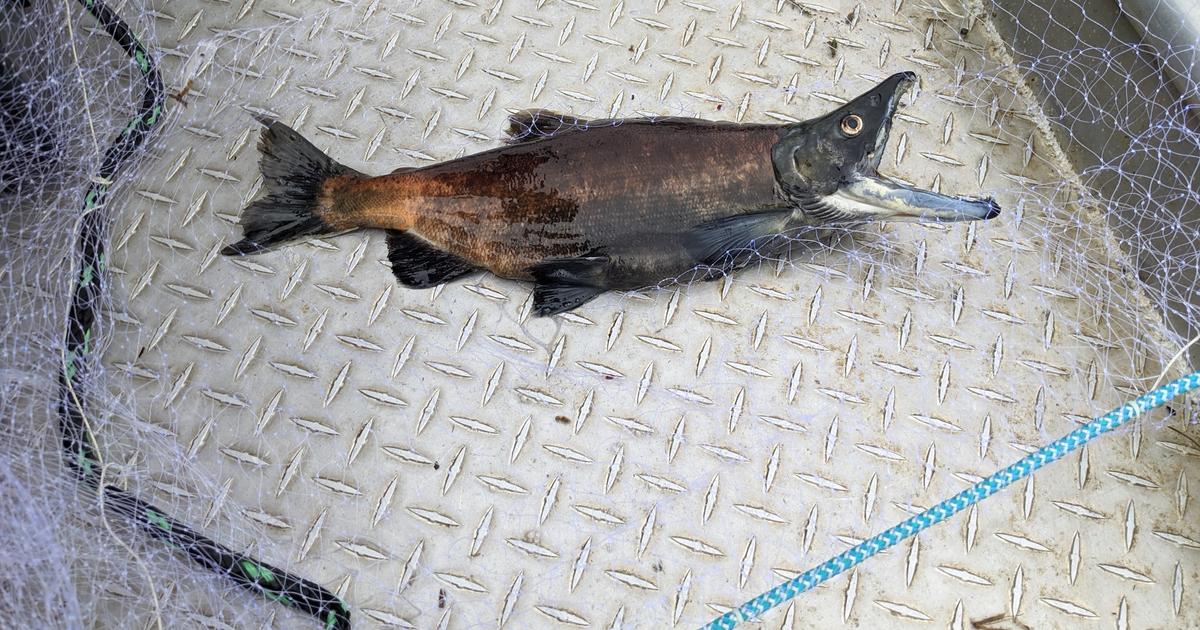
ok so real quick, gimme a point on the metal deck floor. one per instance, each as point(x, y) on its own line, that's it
point(441, 459)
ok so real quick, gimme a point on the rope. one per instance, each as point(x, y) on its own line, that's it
point(79, 445)
point(1023, 468)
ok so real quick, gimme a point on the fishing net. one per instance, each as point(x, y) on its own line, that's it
point(440, 458)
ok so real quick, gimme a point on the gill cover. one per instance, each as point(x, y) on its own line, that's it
point(828, 167)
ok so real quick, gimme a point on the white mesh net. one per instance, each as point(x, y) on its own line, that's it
point(439, 458)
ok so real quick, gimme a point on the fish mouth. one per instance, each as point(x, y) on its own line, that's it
point(868, 196)
point(898, 85)
point(873, 197)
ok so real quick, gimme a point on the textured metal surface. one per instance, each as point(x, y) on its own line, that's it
point(443, 460)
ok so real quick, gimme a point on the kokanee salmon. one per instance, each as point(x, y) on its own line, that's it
point(582, 206)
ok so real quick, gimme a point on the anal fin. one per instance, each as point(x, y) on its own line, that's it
point(419, 265)
point(563, 284)
point(552, 299)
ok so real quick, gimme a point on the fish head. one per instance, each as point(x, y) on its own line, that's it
point(829, 167)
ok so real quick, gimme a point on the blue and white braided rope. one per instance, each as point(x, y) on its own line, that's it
point(1023, 468)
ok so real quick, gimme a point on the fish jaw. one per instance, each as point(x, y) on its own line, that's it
point(869, 196)
point(863, 195)
point(892, 90)
point(872, 197)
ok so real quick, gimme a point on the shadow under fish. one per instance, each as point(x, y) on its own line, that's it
point(580, 206)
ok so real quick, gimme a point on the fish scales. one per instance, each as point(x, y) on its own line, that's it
point(618, 188)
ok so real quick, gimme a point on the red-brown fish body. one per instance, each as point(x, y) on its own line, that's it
point(582, 207)
point(627, 190)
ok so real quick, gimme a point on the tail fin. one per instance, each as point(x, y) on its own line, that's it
point(294, 173)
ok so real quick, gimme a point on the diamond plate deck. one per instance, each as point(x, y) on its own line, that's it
point(441, 459)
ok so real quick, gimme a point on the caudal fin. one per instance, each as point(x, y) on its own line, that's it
point(294, 173)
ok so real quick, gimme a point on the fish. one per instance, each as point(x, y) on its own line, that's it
point(583, 206)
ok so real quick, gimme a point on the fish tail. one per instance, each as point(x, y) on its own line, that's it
point(295, 175)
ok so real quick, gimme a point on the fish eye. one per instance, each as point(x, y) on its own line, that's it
point(852, 125)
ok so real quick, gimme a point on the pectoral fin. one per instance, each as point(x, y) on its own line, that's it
point(563, 284)
point(419, 265)
point(724, 240)
point(534, 124)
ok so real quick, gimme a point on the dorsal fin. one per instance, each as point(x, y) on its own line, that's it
point(534, 124)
